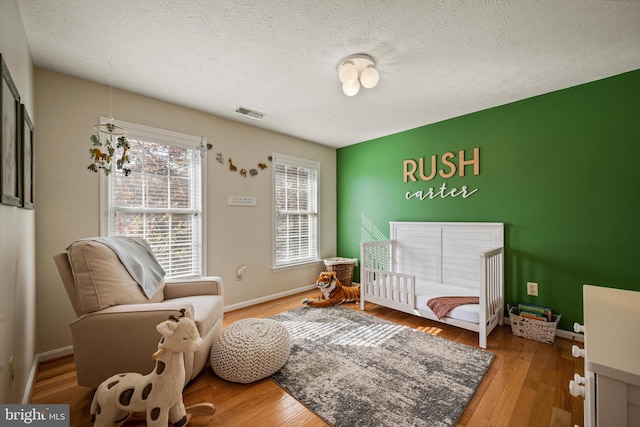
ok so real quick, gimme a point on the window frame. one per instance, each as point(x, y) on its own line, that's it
point(162, 136)
point(304, 163)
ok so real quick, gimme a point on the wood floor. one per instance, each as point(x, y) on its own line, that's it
point(527, 384)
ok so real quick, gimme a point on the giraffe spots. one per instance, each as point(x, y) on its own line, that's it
point(112, 384)
point(146, 390)
point(182, 422)
point(125, 397)
point(160, 365)
point(155, 414)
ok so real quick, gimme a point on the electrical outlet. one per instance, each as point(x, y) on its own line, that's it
point(532, 289)
point(240, 272)
point(11, 370)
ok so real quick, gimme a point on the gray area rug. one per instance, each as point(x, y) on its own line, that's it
point(354, 369)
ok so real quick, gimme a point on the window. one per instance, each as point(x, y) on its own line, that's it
point(295, 189)
point(161, 199)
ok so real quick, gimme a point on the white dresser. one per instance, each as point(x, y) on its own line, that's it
point(611, 385)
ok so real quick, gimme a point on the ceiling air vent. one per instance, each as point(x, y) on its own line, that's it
point(252, 114)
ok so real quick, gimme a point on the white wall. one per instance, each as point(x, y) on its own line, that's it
point(17, 232)
point(68, 194)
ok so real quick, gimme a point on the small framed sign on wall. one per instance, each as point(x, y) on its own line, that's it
point(10, 167)
point(235, 200)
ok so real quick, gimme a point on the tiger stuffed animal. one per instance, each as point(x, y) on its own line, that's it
point(332, 292)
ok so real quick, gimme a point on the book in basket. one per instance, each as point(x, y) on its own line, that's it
point(536, 312)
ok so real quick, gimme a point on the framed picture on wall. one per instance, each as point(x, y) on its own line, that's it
point(27, 138)
point(10, 177)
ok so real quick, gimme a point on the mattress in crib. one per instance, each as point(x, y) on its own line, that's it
point(467, 312)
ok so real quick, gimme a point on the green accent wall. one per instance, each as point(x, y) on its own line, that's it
point(561, 170)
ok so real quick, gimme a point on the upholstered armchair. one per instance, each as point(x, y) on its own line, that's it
point(115, 330)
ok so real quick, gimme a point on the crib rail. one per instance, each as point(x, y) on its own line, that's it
point(378, 255)
point(491, 291)
point(379, 282)
point(394, 290)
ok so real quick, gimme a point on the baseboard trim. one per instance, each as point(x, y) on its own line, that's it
point(570, 335)
point(42, 357)
point(271, 297)
point(31, 380)
point(54, 354)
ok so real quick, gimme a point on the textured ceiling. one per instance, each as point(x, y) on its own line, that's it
point(437, 59)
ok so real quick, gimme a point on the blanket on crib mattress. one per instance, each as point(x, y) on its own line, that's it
point(443, 305)
point(426, 291)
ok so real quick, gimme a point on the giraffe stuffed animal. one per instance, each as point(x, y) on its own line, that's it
point(159, 393)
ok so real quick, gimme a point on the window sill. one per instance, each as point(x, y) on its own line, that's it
point(295, 265)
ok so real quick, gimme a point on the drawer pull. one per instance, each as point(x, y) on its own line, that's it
point(576, 389)
point(578, 328)
point(577, 351)
point(578, 379)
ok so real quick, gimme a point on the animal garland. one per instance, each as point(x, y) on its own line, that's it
point(332, 292)
point(103, 151)
point(242, 171)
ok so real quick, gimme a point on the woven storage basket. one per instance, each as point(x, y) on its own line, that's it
point(343, 268)
point(533, 329)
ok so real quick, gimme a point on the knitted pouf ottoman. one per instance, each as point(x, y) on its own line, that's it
point(249, 350)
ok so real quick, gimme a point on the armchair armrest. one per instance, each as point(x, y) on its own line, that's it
point(186, 288)
point(159, 310)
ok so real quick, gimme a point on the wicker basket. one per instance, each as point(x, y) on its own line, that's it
point(533, 329)
point(343, 268)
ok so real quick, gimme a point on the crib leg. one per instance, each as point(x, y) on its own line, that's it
point(483, 340)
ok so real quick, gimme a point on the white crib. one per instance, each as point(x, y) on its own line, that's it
point(424, 260)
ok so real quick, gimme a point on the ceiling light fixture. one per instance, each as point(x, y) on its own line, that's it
point(355, 71)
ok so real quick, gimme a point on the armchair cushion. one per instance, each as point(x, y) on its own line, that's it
point(102, 280)
point(207, 309)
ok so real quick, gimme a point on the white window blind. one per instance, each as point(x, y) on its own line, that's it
point(295, 210)
point(161, 199)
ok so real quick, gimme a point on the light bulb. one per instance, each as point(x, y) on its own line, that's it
point(369, 77)
point(348, 72)
point(351, 89)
